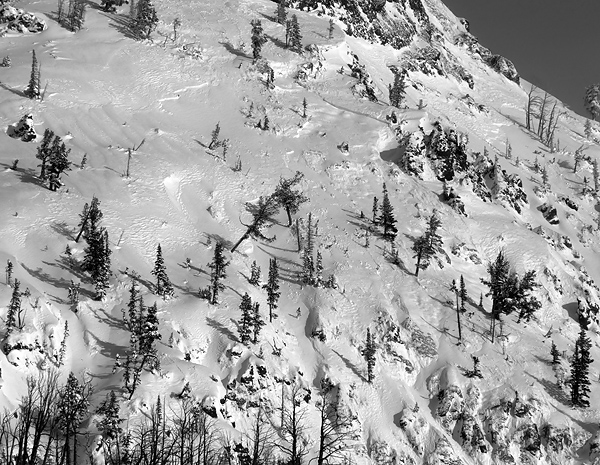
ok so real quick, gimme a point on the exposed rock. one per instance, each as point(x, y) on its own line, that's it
point(23, 130)
point(461, 250)
point(450, 407)
point(17, 20)
point(504, 67)
point(558, 439)
point(444, 454)
point(415, 428)
point(549, 212)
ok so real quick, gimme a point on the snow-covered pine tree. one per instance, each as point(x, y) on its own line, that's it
point(254, 274)
point(58, 162)
point(72, 408)
point(522, 300)
point(386, 218)
point(44, 151)
point(272, 287)
point(76, 16)
point(163, 287)
point(319, 270)
point(295, 36)
point(145, 20)
point(257, 322)
point(368, 353)
point(266, 208)
point(245, 323)
point(288, 198)
point(109, 423)
point(266, 124)
point(33, 90)
point(14, 308)
point(62, 353)
point(463, 294)
point(397, 90)
point(101, 274)
point(308, 264)
point(580, 370)
point(89, 218)
point(9, 271)
point(214, 137)
point(596, 176)
point(281, 12)
point(330, 29)
point(429, 244)
point(555, 354)
point(258, 38)
point(148, 337)
point(97, 254)
point(375, 209)
point(218, 273)
point(592, 101)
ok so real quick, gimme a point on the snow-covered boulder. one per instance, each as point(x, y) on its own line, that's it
point(23, 130)
point(17, 20)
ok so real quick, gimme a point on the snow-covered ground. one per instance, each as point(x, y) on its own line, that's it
point(105, 93)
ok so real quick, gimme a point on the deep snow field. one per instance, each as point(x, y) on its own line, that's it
point(107, 92)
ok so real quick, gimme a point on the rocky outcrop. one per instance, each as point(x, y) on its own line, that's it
point(505, 67)
point(550, 213)
point(23, 130)
point(16, 20)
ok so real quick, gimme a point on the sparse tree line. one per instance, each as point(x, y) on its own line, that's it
point(546, 111)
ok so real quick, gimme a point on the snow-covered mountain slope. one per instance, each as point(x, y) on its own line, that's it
point(105, 93)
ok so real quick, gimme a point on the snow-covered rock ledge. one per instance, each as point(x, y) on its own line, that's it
point(16, 20)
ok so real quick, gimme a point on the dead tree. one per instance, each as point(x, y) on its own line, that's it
point(262, 213)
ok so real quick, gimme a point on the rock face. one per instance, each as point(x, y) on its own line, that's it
point(505, 67)
point(17, 20)
point(550, 213)
point(23, 130)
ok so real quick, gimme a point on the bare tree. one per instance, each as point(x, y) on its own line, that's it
point(294, 440)
point(533, 102)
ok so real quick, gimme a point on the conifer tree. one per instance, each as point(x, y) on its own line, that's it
point(308, 265)
point(148, 337)
point(110, 423)
point(369, 352)
point(429, 244)
point(587, 129)
point(258, 38)
point(58, 162)
point(265, 125)
point(257, 322)
point(463, 294)
point(145, 20)
point(254, 274)
point(304, 106)
point(591, 100)
point(397, 91)
point(218, 273)
point(555, 354)
point(163, 287)
point(261, 214)
point(9, 271)
point(44, 151)
point(272, 287)
point(375, 209)
point(33, 90)
point(387, 219)
point(14, 308)
point(288, 198)
point(295, 36)
point(454, 289)
point(97, 254)
point(214, 138)
point(319, 270)
point(580, 369)
point(596, 175)
point(72, 408)
point(245, 323)
point(63, 345)
point(330, 29)
point(76, 16)
point(281, 12)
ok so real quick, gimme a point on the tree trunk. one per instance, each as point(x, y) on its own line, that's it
point(289, 215)
point(83, 225)
point(458, 318)
point(245, 236)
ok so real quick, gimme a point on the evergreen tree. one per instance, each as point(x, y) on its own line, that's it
point(304, 106)
point(218, 273)
point(429, 244)
point(281, 12)
point(261, 214)
point(148, 337)
point(254, 274)
point(387, 219)
point(97, 254)
point(330, 29)
point(463, 294)
point(265, 125)
point(454, 289)
point(308, 265)
point(9, 271)
point(163, 287)
point(375, 209)
point(214, 138)
point(368, 353)
point(145, 20)
point(580, 370)
point(110, 423)
point(288, 198)
point(91, 215)
point(257, 322)
point(397, 91)
point(76, 17)
point(295, 36)
point(58, 162)
point(272, 287)
point(44, 151)
point(72, 408)
point(258, 38)
point(587, 129)
point(592, 101)
point(33, 90)
point(596, 175)
point(319, 270)
point(14, 308)
point(245, 324)
point(555, 354)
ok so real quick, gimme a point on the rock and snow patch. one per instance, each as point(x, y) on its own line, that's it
point(16, 20)
point(23, 130)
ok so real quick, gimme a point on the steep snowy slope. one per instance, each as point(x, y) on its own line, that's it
point(106, 93)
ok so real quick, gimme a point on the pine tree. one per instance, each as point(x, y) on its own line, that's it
point(304, 106)
point(62, 353)
point(110, 423)
point(429, 244)
point(375, 209)
point(72, 408)
point(257, 322)
point(265, 125)
point(591, 100)
point(308, 265)
point(288, 198)
point(97, 254)
point(272, 287)
point(295, 36)
point(580, 369)
point(44, 151)
point(245, 324)
point(545, 184)
point(145, 20)
point(555, 354)
point(319, 270)
point(58, 162)
point(387, 219)
point(101, 274)
point(163, 287)
point(587, 129)
point(148, 337)
point(218, 273)
point(330, 29)
point(214, 138)
point(281, 12)
point(261, 214)
point(397, 91)
point(9, 271)
point(76, 17)
point(258, 38)
point(596, 176)
point(14, 308)
point(369, 356)
point(33, 90)
point(254, 274)
point(463, 294)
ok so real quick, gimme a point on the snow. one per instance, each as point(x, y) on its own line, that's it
point(106, 93)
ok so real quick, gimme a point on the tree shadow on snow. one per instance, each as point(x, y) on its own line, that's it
point(40, 274)
point(234, 51)
point(216, 238)
point(15, 91)
point(278, 42)
point(121, 23)
point(62, 228)
point(271, 18)
point(350, 366)
point(289, 274)
point(221, 328)
point(27, 176)
point(552, 390)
